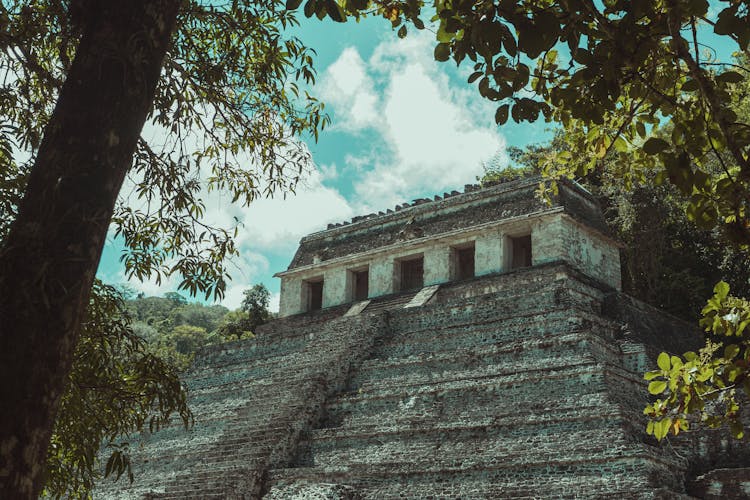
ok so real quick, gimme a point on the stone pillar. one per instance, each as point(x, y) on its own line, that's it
point(548, 241)
point(290, 297)
point(437, 265)
point(591, 253)
point(381, 276)
point(561, 238)
point(334, 287)
point(488, 253)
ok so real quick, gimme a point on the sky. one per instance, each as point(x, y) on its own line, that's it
point(404, 127)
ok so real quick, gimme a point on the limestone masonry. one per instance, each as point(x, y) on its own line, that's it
point(474, 345)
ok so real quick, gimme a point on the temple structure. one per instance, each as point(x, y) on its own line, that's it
point(450, 238)
point(474, 345)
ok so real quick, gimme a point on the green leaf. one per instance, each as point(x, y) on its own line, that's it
point(676, 362)
point(663, 361)
point(731, 351)
point(335, 11)
point(402, 32)
point(721, 290)
point(444, 36)
point(697, 7)
point(442, 52)
point(473, 77)
point(661, 428)
point(727, 23)
point(657, 387)
point(736, 428)
point(640, 128)
point(690, 86)
point(501, 115)
point(705, 374)
point(293, 4)
point(730, 77)
point(652, 375)
point(309, 9)
point(655, 145)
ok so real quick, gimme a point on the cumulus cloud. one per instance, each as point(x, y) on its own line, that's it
point(429, 133)
point(411, 130)
point(348, 86)
point(278, 223)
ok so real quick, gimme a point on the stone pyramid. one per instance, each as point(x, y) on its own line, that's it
point(513, 382)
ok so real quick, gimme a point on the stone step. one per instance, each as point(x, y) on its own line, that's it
point(464, 334)
point(636, 471)
point(296, 365)
point(479, 310)
point(471, 445)
point(277, 338)
point(252, 351)
point(280, 326)
point(491, 359)
point(468, 397)
point(539, 412)
point(455, 333)
point(217, 483)
point(559, 374)
point(380, 304)
point(527, 421)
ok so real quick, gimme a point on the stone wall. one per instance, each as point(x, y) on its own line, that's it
point(555, 236)
point(516, 385)
point(251, 401)
point(504, 386)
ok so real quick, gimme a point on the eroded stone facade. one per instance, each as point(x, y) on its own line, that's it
point(488, 220)
point(520, 383)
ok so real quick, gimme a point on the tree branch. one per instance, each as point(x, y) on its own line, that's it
point(717, 108)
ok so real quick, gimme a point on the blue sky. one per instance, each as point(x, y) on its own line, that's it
point(404, 126)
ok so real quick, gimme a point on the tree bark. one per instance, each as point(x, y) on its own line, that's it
point(50, 256)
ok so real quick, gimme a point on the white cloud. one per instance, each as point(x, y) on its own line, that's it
point(273, 303)
point(278, 223)
point(348, 86)
point(429, 134)
point(265, 227)
point(414, 132)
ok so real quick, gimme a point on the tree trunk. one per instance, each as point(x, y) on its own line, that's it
point(49, 258)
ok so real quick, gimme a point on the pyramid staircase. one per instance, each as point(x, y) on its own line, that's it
point(511, 386)
point(250, 400)
point(516, 393)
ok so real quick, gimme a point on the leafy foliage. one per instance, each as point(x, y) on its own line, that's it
point(711, 382)
point(253, 313)
point(176, 329)
point(180, 344)
point(173, 328)
point(116, 387)
point(164, 313)
point(614, 74)
point(668, 261)
point(226, 116)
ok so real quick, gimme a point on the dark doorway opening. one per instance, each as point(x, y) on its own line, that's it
point(412, 273)
point(464, 262)
point(521, 251)
point(361, 284)
point(315, 295)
